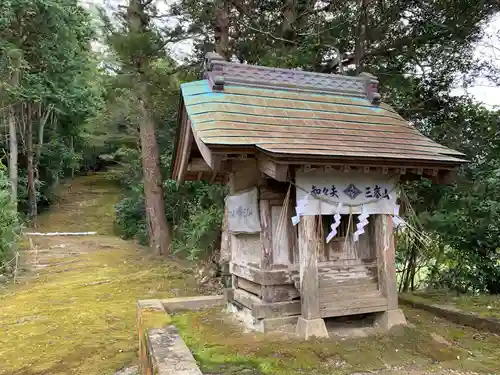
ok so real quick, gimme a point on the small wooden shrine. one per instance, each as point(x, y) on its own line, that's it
point(312, 161)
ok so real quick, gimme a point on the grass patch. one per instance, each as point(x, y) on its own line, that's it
point(222, 348)
point(78, 316)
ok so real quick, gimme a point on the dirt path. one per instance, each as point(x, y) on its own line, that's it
point(75, 312)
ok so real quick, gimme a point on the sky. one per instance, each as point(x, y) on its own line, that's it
point(489, 48)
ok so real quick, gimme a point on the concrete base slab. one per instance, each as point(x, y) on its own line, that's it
point(170, 354)
point(453, 314)
point(150, 304)
point(134, 370)
point(192, 303)
point(308, 328)
point(390, 318)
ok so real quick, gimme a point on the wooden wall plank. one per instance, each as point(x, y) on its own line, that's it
point(266, 234)
point(280, 235)
point(279, 293)
point(249, 286)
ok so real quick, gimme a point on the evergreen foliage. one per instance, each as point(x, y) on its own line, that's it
point(9, 223)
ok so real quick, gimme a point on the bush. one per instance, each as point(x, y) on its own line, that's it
point(9, 222)
point(194, 210)
point(131, 216)
point(197, 211)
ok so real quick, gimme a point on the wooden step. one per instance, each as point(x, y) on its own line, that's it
point(349, 269)
point(325, 299)
point(337, 283)
point(353, 306)
point(349, 291)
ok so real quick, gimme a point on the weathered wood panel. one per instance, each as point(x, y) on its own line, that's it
point(281, 242)
point(271, 193)
point(365, 250)
point(244, 175)
point(360, 307)
point(293, 239)
point(246, 299)
point(279, 293)
point(268, 166)
point(276, 309)
point(338, 283)
point(263, 277)
point(353, 292)
point(225, 245)
point(246, 249)
point(249, 286)
point(266, 234)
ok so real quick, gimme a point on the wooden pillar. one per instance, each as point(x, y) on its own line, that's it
point(225, 251)
point(386, 259)
point(309, 241)
point(310, 324)
point(266, 235)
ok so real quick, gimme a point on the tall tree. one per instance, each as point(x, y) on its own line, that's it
point(45, 47)
point(13, 149)
point(139, 45)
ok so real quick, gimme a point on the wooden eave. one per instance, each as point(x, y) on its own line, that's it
point(193, 160)
point(280, 166)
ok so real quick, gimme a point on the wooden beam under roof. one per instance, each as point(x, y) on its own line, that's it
point(198, 165)
point(187, 142)
point(214, 161)
point(279, 172)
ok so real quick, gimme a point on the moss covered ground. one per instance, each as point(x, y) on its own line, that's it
point(430, 345)
point(76, 314)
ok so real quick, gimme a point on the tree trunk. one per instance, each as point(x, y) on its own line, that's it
point(13, 146)
point(41, 128)
point(13, 152)
point(359, 48)
point(222, 10)
point(435, 267)
point(158, 229)
point(411, 268)
point(159, 233)
point(32, 209)
point(289, 19)
point(72, 149)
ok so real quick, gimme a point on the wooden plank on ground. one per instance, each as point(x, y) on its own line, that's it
point(60, 234)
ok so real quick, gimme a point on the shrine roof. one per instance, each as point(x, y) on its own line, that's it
point(319, 115)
